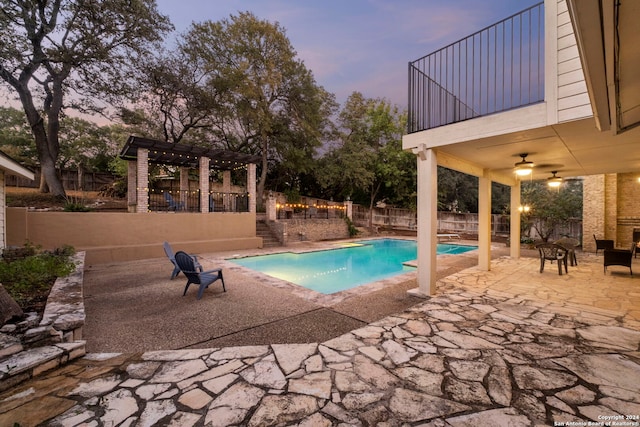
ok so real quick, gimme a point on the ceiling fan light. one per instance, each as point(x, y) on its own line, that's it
point(524, 170)
point(523, 167)
point(554, 181)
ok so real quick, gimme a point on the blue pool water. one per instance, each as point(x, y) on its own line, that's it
point(343, 268)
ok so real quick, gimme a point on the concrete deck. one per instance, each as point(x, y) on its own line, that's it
point(511, 346)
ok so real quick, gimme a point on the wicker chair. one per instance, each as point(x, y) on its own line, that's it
point(622, 257)
point(603, 244)
point(636, 240)
point(553, 252)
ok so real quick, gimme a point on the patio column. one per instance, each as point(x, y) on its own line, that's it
point(226, 191)
point(484, 223)
point(132, 183)
point(348, 208)
point(251, 186)
point(514, 227)
point(204, 184)
point(142, 185)
point(427, 221)
point(184, 187)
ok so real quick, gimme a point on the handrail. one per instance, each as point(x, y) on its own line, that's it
point(498, 68)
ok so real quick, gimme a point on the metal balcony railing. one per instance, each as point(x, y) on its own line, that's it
point(498, 68)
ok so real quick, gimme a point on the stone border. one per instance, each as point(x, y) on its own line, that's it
point(56, 340)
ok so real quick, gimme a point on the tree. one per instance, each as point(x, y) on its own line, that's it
point(368, 163)
point(549, 208)
point(269, 102)
point(72, 55)
point(16, 139)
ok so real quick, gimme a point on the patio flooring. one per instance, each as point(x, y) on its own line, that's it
point(511, 346)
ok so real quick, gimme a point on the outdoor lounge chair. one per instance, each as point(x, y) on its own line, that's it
point(173, 205)
point(603, 244)
point(201, 278)
point(621, 257)
point(176, 270)
point(552, 252)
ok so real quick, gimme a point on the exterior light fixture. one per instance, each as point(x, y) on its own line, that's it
point(523, 167)
point(524, 209)
point(554, 181)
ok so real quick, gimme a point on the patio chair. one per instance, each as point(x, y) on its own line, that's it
point(636, 240)
point(552, 252)
point(570, 244)
point(173, 205)
point(603, 244)
point(176, 270)
point(621, 257)
point(201, 278)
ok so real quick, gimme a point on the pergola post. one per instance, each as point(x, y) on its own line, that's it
point(142, 185)
point(251, 186)
point(226, 190)
point(204, 184)
point(348, 208)
point(132, 183)
point(184, 187)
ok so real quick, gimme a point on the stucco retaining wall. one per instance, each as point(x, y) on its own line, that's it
point(113, 237)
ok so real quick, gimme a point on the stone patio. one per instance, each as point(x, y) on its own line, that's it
point(511, 346)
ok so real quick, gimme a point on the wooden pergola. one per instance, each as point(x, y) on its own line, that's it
point(139, 152)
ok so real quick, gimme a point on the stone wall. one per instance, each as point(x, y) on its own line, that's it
point(38, 344)
point(611, 209)
point(299, 230)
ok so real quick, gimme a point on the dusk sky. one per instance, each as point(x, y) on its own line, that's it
point(358, 45)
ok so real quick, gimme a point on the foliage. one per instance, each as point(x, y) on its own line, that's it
point(458, 192)
point(266, 101)
point(61, 55)
point(549, 207)
point(28, 274)
point(353, 231)
point(367, 162)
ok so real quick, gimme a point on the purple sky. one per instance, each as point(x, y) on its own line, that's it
point(358, 45)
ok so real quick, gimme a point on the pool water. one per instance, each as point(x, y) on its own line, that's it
point(346, 267)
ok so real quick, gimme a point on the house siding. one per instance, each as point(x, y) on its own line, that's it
point(573, 98)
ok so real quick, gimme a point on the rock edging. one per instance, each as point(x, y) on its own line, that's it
point(55, 340)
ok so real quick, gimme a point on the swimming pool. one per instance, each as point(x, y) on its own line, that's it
point(351, 265)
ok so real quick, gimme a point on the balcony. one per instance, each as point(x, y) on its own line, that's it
point(498, 68)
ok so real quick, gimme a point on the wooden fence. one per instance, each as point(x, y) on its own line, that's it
point(451, 222)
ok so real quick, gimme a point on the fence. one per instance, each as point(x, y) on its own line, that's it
point(496, 69)
point(91, 181)
point(451, 222)
point(189, 201)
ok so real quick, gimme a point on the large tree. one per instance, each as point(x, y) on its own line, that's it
point(268, 101)
point(62, 54)
point(367, 162)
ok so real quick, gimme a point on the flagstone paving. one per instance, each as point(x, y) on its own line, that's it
point(483, 352)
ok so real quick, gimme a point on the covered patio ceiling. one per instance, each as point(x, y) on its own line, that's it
point(167, 153)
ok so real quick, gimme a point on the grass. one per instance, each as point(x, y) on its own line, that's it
point(27, 273)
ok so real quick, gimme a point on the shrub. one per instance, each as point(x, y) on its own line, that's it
point(353, 231)
point(28, 279)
